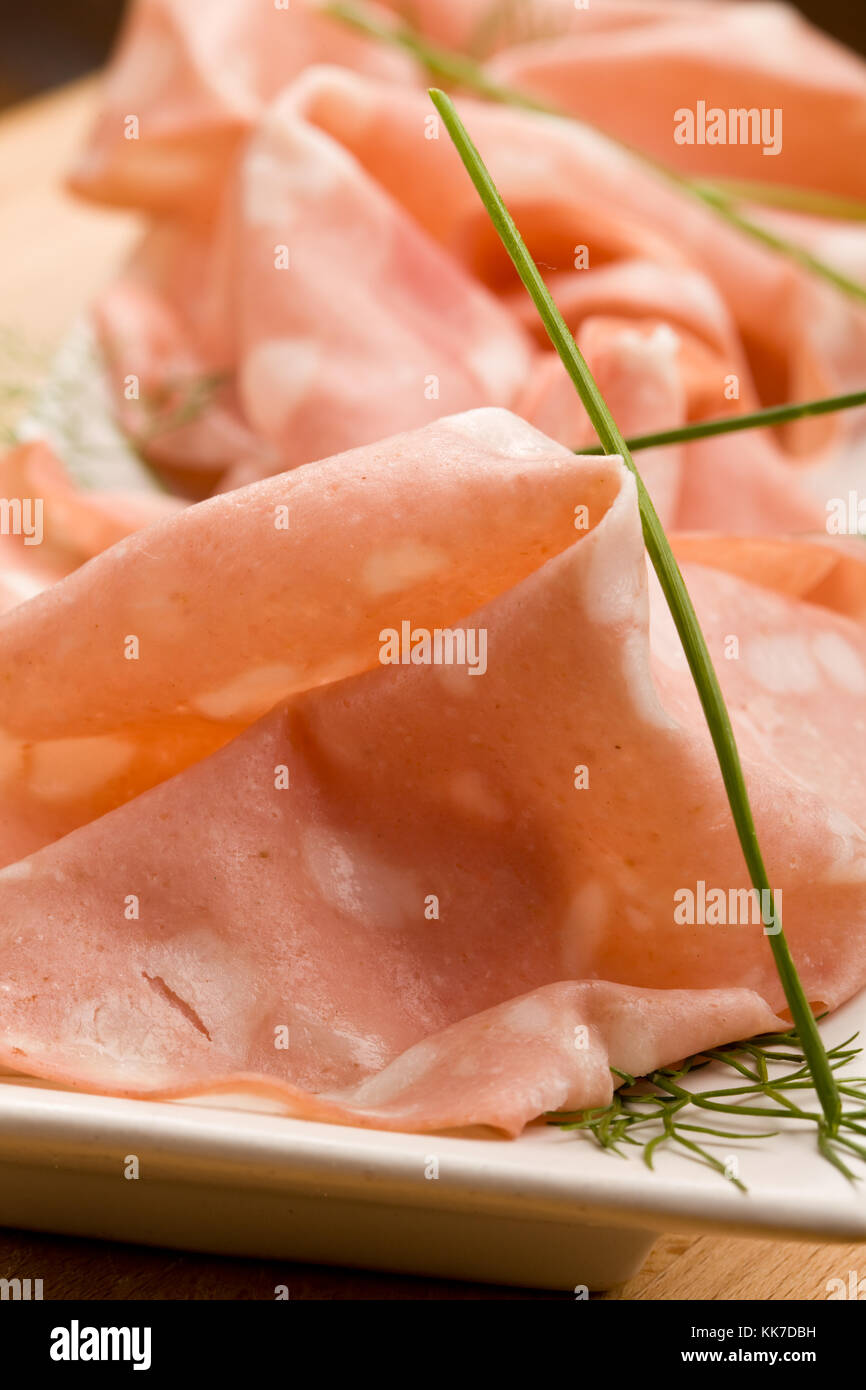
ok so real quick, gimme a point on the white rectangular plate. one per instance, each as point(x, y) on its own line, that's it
point(548, 1210)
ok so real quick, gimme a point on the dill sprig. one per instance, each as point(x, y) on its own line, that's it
point(446, 65)
point(175, 403)
point(658, 1110)
point(22, 367)
point(678, 600)
point(64, 397)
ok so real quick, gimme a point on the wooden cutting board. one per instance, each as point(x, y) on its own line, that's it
point(55, 252)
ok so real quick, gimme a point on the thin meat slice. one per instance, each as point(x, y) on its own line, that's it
point(360, 338)
point(193, 75)
point(772, 331)
point(390, 858)
point(316, 316)
point(638, 371)
point(552, 1049)
point(655, 378)
point(831, 573)
point(326, 275)
point(631, 79)
point(183, 414)
point(347, 284)
point(743, 483)
point(76, 524)
point(271, 610)
point(641, 288)
point(53, 526)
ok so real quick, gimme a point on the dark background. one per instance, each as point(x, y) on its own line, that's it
point(47, 43)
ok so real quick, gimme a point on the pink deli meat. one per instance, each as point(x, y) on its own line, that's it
point(55, 525)
point(318, 272)
point(428, 319)
point(424, 894)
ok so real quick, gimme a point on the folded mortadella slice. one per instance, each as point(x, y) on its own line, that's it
point(443, 891)
point(358, 335)
point(328, 317)
point(188, 79)
point(52, 526)
point(183, 415)
point(754, 328)
point(824, 570)
point(638, 371)
point(652, 376)
point(629, 68)
point(347, 284)
point(296, 267)
point(190, 630)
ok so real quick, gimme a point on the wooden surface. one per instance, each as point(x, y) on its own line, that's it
point(54, 253)
point(702, 1268)
point(54, 250)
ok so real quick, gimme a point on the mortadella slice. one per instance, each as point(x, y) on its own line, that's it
point(432, 891)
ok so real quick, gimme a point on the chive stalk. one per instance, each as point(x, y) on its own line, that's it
point(676, 594)
point(779, 195)
point(732, 424)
